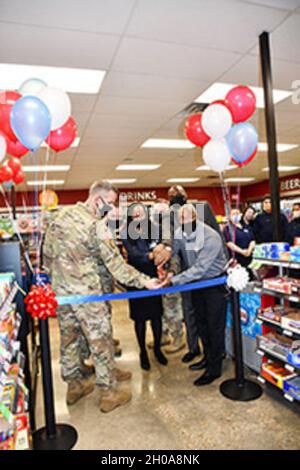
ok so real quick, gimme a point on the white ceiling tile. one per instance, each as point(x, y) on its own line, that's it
point(141, 107)
point(205, 23)
point(151, 87)
point(281, 4)
point(34, 45)
point(82, 103)
point(157, 58)
point(286, 39)
point(107, 16)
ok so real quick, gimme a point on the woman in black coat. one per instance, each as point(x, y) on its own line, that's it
point(138, 244)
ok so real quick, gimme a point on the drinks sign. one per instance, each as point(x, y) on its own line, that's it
point(138, 196)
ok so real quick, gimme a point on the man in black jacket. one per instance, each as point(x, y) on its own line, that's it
point(263, 225)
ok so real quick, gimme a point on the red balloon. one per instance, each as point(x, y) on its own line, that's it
point(249, 159)
point(7, 100)
point(194, 131)
point(6, 174)
point(19, 177)
point(241, 101)
point(15, 149)
point(14, 164)
point(63, 137)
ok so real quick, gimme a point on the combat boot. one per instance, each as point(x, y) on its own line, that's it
point(122, 375)
point(87, 370)
point(117, 351)
point(112, 398)
point(177, 345)
point(78, 389)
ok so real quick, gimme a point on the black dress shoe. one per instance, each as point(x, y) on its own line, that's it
point(189, 356)
point(161, 358)
point(144, 361)
point(206, 379)
point(198, 365)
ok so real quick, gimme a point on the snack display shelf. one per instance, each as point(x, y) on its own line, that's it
point(279, 263)
point(279, 328)
point(290, 297)
point(286, 395)
point(282, 360)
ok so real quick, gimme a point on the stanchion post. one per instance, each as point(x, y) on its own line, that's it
point(53, 436)
point(239, 388)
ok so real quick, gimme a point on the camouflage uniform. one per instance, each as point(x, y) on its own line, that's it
point(172, 309)
point(78, 250)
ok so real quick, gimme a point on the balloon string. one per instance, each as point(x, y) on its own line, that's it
point(16, 228)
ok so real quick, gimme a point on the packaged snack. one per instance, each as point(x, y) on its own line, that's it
point(276, 374)
point(291, 321)
point(292, 386)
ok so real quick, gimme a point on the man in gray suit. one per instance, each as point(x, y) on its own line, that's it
point(201, 250)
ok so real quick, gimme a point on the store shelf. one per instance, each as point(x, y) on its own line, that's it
point(279, 263)
point(278, 327)
point(286, 395)
point(273, 355)
point(289, 297)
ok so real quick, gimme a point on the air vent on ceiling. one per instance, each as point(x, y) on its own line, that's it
point(193, 108)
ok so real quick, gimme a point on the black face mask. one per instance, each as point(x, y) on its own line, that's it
point(179, 200)
point(189, 227)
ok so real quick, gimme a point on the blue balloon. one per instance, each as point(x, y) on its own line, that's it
point(31, 121)
point(242, 141)
point(8, 184)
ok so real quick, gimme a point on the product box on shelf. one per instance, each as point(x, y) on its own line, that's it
point(279, 284)
point(6, 281)
point(276, 344)
point(273, 314)
point(272, 250)
point(292, 386)
point(291, 321)
point(276, 374)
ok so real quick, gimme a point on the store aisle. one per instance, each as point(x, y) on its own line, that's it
point(168, 412)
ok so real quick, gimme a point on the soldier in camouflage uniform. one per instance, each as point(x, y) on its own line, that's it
point(78, 247)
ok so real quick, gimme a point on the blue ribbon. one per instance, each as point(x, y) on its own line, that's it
point(139, 294)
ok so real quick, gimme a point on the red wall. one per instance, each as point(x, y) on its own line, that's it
point(213, 195)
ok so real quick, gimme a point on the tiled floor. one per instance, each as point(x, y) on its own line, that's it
point(168, 412)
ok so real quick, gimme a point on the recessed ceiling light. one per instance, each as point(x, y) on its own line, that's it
point(72, 80)
point(219, 90)
point(43, 168)
point(138, 167)
point(121, 180)
point(47, 183)
point(168, 144)
point(263, 147)
point(206, 168)
point(74, 144)
point(239, 180)
point(284, 168)
point(182, 180)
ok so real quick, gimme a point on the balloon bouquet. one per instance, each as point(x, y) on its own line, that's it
point(28, 117)
point(223, 142)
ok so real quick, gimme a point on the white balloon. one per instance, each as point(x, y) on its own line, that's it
point(59, 105)
point(216, 121)
point(216, 155)
point(2, 147)
point(32, 87)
